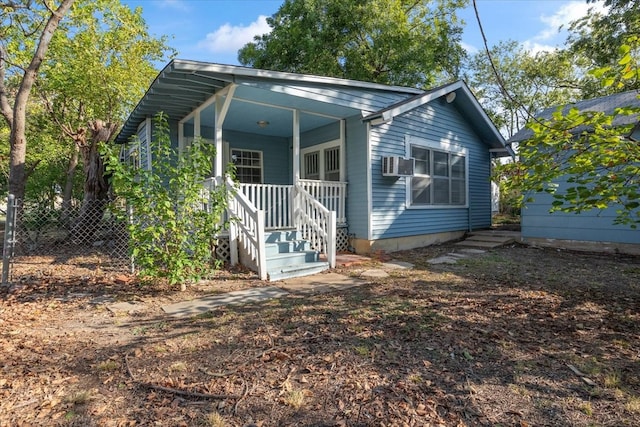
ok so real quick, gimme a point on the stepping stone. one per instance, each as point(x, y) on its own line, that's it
point(203, 305)
point(375, 273)
point(320, 283)
point(473, 251)
point(444, 259)
point(397, 265)
point(126, 307)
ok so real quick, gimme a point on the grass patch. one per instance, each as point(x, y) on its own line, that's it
point(294, 398)
point(108, 366)
point(79, 397)
point(214, 419)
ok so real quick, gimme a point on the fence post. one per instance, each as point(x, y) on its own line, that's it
point(9, 238)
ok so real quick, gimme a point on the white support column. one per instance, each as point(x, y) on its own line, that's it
point(343, 151)
point(196, 124)
point(180, 138)
point(222, 108)
point(296, 147)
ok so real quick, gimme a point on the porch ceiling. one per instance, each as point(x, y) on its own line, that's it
point(183, 86)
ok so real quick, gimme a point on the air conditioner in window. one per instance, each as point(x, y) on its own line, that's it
point(397, 166)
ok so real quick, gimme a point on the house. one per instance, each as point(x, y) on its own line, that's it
point(592, 230)
point(348, 164)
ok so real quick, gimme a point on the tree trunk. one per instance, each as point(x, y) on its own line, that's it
point(67, 193)
point(17, 139)
point(96, 183)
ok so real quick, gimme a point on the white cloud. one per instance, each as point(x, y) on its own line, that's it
point(470, 49)
point(229, 38)
point(557, 23)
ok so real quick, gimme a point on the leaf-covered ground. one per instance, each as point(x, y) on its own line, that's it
point(514, 337)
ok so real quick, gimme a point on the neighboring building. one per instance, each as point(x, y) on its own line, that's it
point(291, 135)
point(589, 230)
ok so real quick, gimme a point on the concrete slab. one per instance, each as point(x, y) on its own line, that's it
point(348, 260)
point(202, 305)
point(397, 265)
point(320, 283)
point(375, 273)
point(489, 238)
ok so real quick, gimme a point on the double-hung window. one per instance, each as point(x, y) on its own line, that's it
point(440, 176)
point(248, 165)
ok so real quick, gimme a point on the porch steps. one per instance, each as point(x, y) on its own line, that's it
point(489, 239)
point(290, 256)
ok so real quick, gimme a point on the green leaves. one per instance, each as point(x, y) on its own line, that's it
point(172, 235)
point(402, 42)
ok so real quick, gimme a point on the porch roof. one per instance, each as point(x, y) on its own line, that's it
point(184, 85)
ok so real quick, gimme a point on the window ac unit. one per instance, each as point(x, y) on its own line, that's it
point(397, 166)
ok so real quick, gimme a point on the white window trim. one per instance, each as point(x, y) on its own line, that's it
point(445, 146)
point(321, 148)
point(250, 151)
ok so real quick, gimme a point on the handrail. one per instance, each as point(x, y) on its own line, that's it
point(331, 194)
point(246, 227)
point(316, 223)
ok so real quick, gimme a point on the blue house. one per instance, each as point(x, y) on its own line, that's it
point(329, 163)
point(592, 230)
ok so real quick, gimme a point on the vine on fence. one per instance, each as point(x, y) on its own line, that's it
point(174, 220)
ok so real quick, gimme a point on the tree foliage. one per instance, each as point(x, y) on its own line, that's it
point(401, 42)
point(172, 235)
point(527, 83)
point(584, 159)
point(593, 39)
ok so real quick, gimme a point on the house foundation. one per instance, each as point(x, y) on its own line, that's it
point(363, 246)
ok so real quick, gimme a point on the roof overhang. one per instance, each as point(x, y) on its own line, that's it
point(459, 95)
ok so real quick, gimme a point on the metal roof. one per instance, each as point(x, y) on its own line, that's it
point(184, 85)
point(604, 104)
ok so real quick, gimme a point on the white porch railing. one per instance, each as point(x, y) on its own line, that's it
point(246, 231)
point(316, 223)
point(332, 194)
point(274, 200)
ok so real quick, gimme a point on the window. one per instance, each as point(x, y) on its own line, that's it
point(321, 162)
point(439, 177)
point(248, 165)
point(311, 169)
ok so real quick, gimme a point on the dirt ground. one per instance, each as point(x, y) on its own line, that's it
point(517, 336)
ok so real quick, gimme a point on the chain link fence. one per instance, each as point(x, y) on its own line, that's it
point(92, 236)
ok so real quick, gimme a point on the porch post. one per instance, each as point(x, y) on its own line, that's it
point(218, 137)
point(296, 147)
point(343, 153)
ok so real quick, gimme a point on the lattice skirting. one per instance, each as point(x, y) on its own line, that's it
point(223, 251)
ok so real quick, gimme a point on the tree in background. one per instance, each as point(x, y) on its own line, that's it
point(594, 39)
point(26, 31)
point(521, 83)
point(398, 42)
point(100, 65)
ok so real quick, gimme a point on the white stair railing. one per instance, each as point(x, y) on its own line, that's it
point(331, 194)
point(246, 231)
point(316, 223)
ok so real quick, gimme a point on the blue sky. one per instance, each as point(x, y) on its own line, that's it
point(214, 30)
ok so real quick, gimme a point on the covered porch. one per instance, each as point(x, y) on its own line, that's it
point(286, 146)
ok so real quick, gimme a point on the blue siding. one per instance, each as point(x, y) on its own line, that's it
point(322, 134)
point(434, 122)
point(276, 154)
point(357, 187)
point(591, 226)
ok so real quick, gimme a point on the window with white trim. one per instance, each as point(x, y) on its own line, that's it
point(248, 165)
point(321, 162)
point(440, 177)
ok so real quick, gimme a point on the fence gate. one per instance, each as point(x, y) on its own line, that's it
point(47, 238)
